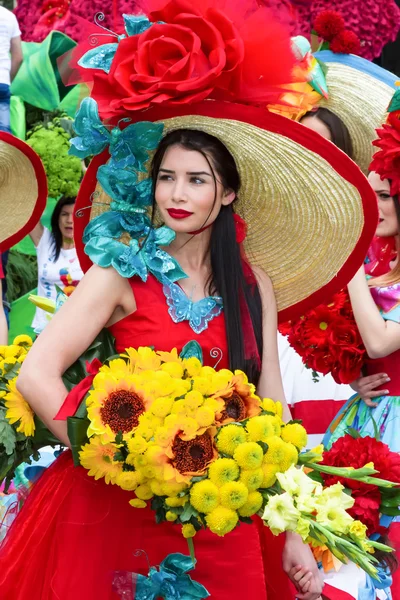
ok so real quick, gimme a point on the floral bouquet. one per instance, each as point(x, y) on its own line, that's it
point(328, 340)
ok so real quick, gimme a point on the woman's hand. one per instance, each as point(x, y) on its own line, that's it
point(368, 387)
point(301, 568)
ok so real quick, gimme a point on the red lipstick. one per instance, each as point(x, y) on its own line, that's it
point(178, 213)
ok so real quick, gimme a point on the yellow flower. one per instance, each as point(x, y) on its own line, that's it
point(295, 434)
point(249, 455)
point(252, 479)
point(207, 372)
point(260, 428)
point(175, 370)
point(136, 503)
point(279, 409)
point(334, 518)
point(171, 516)
point(174, 501)
point(223, 470)
point(127, 480)
point(269, 472)
point(179, 407)
point(233, 494)
point(171, 488)
point(19, 411)
point(143, 492)
point(98, 459)
point(12, 352)
point(280, 453)
point(230, 437)
point(269, 405)
point(222, 520)
point(205, 416)
point(192, 366)
point(170, 357)
point(138, 461)
point(193, 399)
point(202, 385)
point(118, 368)
point(161, 407)
point(23, 340)
point(204, 496)
point(137, 445)
point(2, 393)
point(252, 506)
point(143, 359)
point(214, 404)
point(188, 531)
point(303, 529)
point(163, 436)
point(189, 427)
point(9, 361)
point(358, 530)
point(156, 487)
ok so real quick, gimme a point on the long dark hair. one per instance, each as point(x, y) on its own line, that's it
point(227, 275)
point(55, 226)
point(340, 135)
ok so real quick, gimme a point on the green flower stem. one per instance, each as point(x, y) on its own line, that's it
point(191, 549)
point(358, 474)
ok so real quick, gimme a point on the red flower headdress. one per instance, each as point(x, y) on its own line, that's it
point(386, 161)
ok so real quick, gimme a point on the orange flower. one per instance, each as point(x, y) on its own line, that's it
point(240, 401)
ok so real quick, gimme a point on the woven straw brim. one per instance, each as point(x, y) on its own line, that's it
point(18, 189)
point(361, 101)
point(304, 219)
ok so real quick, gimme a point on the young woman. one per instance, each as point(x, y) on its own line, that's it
point(58, 264)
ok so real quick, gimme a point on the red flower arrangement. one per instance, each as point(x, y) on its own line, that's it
point(370, 500)
point(328, 341)
point(330, 26)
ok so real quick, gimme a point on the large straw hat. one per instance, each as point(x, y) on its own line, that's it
point(310, 212)
point(359, 93)
point(23, 190)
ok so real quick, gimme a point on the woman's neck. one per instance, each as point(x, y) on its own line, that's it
point(191, 251)
point(67, 243)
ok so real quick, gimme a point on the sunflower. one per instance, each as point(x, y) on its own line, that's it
point(98, 459)
point(143, 359)
point(116, 407)
point(18, 410)
point(240, 401)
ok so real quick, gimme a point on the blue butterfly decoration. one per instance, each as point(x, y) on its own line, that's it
point(182, 308)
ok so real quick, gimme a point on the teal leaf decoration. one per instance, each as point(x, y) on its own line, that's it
point(92, 136)
point(131, 146)
point(164, 236)
point(99, 58)
point(192, 350)
point(136, 24)
point(395, 101)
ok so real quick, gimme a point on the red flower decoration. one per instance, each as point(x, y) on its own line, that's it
point(345, 42)
point(386, 161)
point(317, 326)
point(328, 24)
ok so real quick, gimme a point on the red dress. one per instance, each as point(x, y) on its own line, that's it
point(74, 532)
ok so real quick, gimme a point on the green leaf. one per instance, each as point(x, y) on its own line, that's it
point(353, 432)
point(392, 512)
point(395, 102)
point(119, 438)
point(295, 421)
point(246, 520)
point(7, 433)
point(77, 433)
point(188, 513)
point(192, 350)
point(264, 446)
point(376, 430)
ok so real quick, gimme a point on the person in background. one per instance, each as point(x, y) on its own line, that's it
point(3, 319)
point(10, 61)
point(330, 126)
point(58, 264)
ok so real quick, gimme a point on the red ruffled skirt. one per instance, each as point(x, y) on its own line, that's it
point(74, 532)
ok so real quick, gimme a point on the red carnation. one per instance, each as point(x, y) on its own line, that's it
point(328, 24)
point(285, 328)
point(346, 42)
point(386, 162)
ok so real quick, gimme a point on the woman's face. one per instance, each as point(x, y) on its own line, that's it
point(185, 191)
point(317, 125)
point(65, 221)
point(388, 224)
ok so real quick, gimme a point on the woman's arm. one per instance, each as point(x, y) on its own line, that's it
point(36, 234)
point(270, 383)
point(3, 321)
point(102, 297)
point(380, 337)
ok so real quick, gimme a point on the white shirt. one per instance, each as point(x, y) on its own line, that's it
point(64, 273)
point(9, 29)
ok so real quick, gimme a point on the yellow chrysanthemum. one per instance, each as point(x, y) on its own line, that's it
point(156, 487)
point(295, 434)
point(260, 428)
point(189, 426)
point(13, 351)
point(269, 475)
point(143, 492)
point(171, 516)
point(280, 453)
point(175, 370)
point(214, 404)
point(137, 444)
point(98, 459)
point(179, 407)
point(252, 479)
point(136, 503)
point(7, 362)
point(192, 366)
point(233, 494)
point(188, 531)
point(249, 455)
point(230, 437)
point(223, 470)
point(193, 399)
point(143, 359)
point(204, 416)
point(160, 384)
point(139, 461)
point(127, 480)
point(164, 436)
point(172, 488)
point(222, 520)
point(23, 340)
point(161, 407)
point(175, 501)
point(170, 357)
point(171, 421)
point(252, 506)
point(207, 372)
point(2, 393)
point(19, 411)
point(269, 405)
point(202, 385)
point(204, 496)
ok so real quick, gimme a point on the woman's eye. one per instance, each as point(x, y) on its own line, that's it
point(196, 180)
point(384, 196)
point(164, 177)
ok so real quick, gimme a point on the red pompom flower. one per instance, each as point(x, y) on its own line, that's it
point(345, 42)
point(328, 24)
